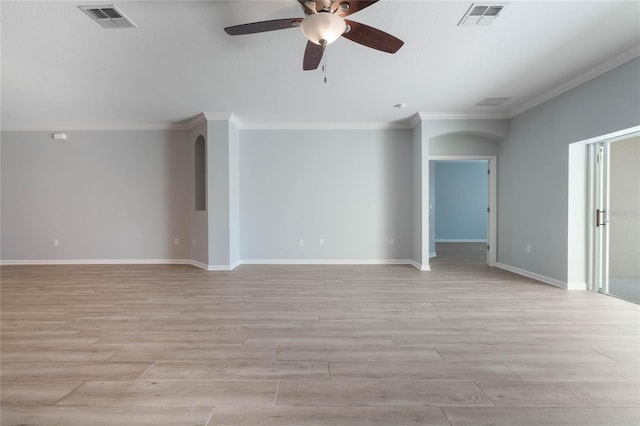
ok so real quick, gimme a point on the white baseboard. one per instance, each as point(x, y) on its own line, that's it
point(98, 262)
point(541, 278)
point(327, 262)
point(214, 267)
point(577, 286)
point(220, 267)
point(419, 266)
point(199, 264)
point(464, 240)
point(207, 267)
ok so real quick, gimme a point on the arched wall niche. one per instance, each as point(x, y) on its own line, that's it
point(200, 168)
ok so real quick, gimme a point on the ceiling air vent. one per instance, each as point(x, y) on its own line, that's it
point(108, 16)
point(492, 102)
point(482, 14)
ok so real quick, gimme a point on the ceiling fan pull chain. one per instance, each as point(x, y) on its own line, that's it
point(324, 67)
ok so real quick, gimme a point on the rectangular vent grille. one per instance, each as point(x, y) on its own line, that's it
point(492, 101)
point(108, 16)
point(479, 14)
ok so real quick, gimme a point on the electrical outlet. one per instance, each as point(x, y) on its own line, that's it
point(56, 243)
point(193, 243)
point(176, 242)
point(321, 242)
point(528, 248)
point(392, 241)
point(300, 242)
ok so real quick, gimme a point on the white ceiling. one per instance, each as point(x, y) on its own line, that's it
point(61, 69)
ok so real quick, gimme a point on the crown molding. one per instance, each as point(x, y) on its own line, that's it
point(462, 116)
point(398, 125)
point(68, 127)
point(217, 116)
point(211, 116)
point(233, 119)
point(604, 67)
point(193, 122)
point(420, 116)
point(169, 125)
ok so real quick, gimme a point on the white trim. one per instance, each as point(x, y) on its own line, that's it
point(492, 238)
point(206, 267)
point(223, 116)
point(433, 254)
point(330, 262)
point(122, 262)
point(610, 137)
point(78, 127)
point(193, 122)
point(537, 277)
point(577, 286)
point(462, 116)
point(161, 125)
point(423, 268)
point(462, 240)
point(418, 266)
point(233, 119)
point(199, 264)
point(97, 262)
point(604, 67)
point(214, 267)
point(399, 125)
point(217, 116)
point(219, 268)
point(590, 234)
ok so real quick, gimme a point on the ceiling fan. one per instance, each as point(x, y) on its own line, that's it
point(323, 24)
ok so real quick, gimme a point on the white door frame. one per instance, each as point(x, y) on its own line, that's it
point(598, 236)
point(590, 263)
point(492, 232)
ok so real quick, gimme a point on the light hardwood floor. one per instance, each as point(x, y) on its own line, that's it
point(312, 345)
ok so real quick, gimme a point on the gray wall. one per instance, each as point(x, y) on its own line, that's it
point(463, 143)
point(351, 188)
point(102, 195)
point(534, 167)
point(461, 200)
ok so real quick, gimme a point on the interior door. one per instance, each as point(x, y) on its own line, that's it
point(623, 228)
point(615, 166)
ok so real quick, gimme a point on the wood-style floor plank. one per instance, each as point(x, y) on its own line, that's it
point(378, 393)
point(525, 416)
point(463, 344)
point(172, 393)
point(105, 416)
point(320, 416)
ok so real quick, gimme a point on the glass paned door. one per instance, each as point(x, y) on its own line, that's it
point(623, 229)
point(616, 217)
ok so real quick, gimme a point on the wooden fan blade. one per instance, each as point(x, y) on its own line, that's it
point(354, 6)
point(312, 56)
point(263, 26)
point(372, 37)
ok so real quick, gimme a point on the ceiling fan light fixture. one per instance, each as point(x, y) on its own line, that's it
point(323, 27)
